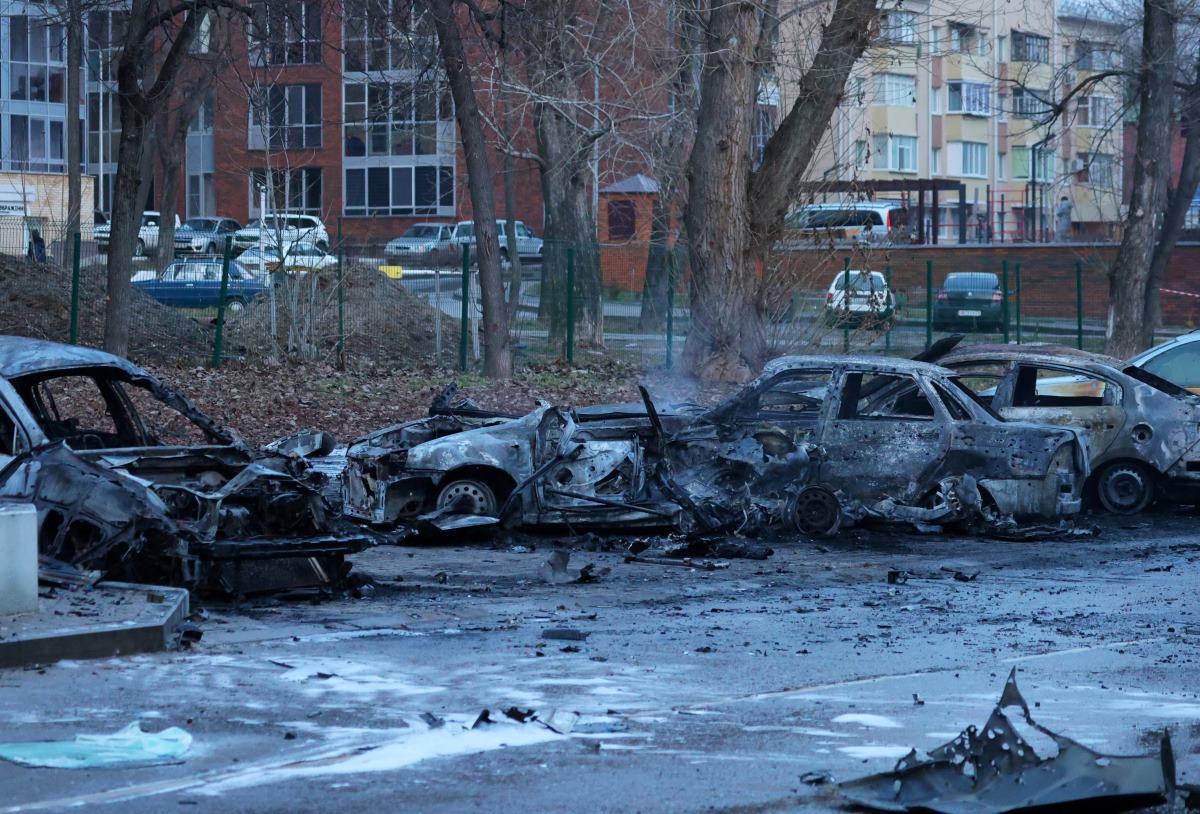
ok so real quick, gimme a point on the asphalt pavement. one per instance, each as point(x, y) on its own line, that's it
point(695, 690)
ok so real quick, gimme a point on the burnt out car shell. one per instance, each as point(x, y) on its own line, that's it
point(140, 509)
point(1125, 414)
point(1028, 470)
point(788, 429)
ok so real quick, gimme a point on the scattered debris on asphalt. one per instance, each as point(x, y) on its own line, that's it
point(996, 769)
point(127, 748)
point(565, 634)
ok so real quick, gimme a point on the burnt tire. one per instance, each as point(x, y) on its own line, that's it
point(816, 511)
point(469, 496)
point(1124, 487)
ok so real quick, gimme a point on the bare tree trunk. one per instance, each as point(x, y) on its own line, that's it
point(1179, 200)
point(168, 206)
point(74, 148)
point(732, 215)
point(658, 272)
point(1129, 279)
point(497, 350)
point(126, 221)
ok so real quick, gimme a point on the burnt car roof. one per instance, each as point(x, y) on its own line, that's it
point(881, 363)
point(22, 356)
point(1047, 353)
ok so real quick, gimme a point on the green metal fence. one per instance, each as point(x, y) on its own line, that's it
point(360, 300)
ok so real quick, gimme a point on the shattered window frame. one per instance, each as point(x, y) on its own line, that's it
point(1112, 395)
point(111, 383)
point(804, 375)
point(850, 409)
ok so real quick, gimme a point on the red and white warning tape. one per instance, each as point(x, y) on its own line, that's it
point(1180, 293)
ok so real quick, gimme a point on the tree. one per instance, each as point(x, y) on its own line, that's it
point(497, 347)
point(152, 51)
point(1130, 300)
point(734, 212)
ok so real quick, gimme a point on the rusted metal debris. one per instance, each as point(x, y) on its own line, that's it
point(131, 479)
point(815, 443)
point(997, 769)
point(1142, 432)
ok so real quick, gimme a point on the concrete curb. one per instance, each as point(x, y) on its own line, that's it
point(153, 629)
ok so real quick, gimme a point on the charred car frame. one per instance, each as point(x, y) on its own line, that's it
point(815, 442)
point(131, 478)
point(1143, 432)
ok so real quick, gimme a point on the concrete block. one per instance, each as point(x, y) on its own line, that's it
point(18, 558)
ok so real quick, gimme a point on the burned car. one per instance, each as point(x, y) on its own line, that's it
point(1143, 432)
point(814, 442)
point(131, 479)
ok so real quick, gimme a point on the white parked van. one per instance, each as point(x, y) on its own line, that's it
point(876, 222)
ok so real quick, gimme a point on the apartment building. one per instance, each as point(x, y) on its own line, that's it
point(964, 92)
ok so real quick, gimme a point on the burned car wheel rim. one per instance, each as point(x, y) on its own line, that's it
point(816, 511)
point(470, 496)
point(1124, 489)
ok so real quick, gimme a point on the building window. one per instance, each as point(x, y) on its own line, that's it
point(858, 91)
point(1095, 56)
point(970, 98)
point(1030, 47)
point(935, 161)
point(1093, 111)
point(36, 56)
point(201, 196)
point(764, 128)
point(1030, 103)
point(860, 153)
point(895, 153)
point(105, 32)
point(895, 89)
point(397, 118)
point(935, 100)
point(963, 39)
point(1096, 169)
point(35, 144)
point(1000, 166)
point(387, 35)
point(285, 33)
point(1021, 163)
point(103, 127)
point(935, 39)
point(969, 158)
point(297, 191)
point(285, 117)
point(399, 190)
point(898, 27)
point(622, 220)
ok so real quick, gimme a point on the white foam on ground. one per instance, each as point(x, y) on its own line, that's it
point(867, 719)
point(868, 752)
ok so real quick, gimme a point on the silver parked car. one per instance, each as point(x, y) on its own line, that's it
point(423, 243)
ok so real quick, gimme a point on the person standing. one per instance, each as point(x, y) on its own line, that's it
point(37, 247)
point(1062, 219)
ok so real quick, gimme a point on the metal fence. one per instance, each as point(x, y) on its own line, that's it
point(358, 302)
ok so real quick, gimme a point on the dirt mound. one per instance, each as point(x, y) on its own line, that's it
point(384, 321)
point(35, 301)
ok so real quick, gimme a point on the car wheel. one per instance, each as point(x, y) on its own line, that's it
point(211, 248)
point(140, 251)
point(234, 306)
point(468, 496)
point(1124, 487)
point(815, 510)
point(322, 245)
point(504, 255)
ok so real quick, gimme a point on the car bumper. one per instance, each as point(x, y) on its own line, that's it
point(967, 314)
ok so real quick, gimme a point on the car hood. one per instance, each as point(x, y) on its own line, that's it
point(506, 446)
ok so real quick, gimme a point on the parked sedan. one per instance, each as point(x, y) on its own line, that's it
point(423, 243)
point(971, 300)
point(529, 245)
point(1177, 361)
point(204, 235)
point(197, 284)
point(815, 442)
point(298, 258)
point(1143, 433)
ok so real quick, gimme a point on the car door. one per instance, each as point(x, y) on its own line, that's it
point(1065, 397)
point(164, 287)
point(794, 403)
point(887, 437)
